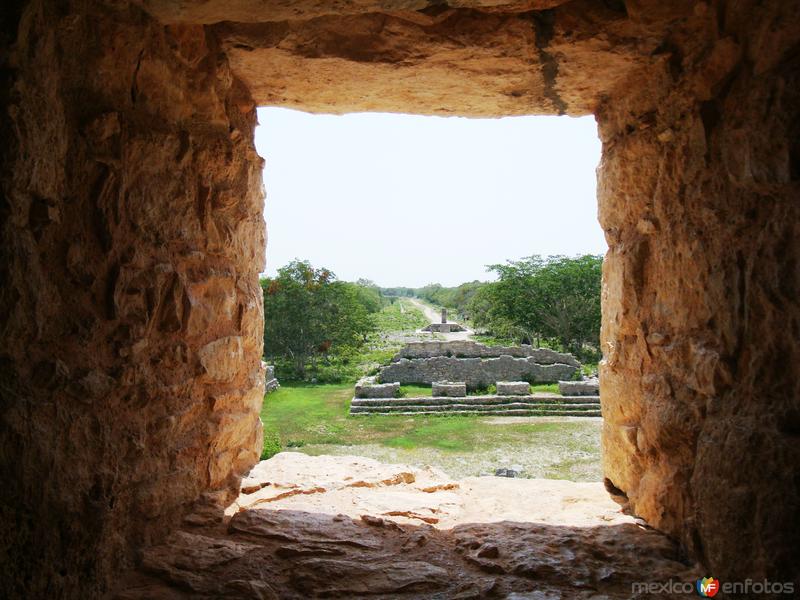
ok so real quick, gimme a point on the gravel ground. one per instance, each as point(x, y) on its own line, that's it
point(550, 456)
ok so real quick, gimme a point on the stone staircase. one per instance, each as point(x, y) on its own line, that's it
point(520, 406)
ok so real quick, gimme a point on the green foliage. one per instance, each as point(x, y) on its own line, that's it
point(547, 301)
point(272, 444)
point(455, 298)
point(312, 321)
point(415, 391)
point(401, 292)
point(400, 315)
point(489, 390)
point(544, 387)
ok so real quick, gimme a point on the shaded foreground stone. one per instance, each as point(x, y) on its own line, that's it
point(349, 526)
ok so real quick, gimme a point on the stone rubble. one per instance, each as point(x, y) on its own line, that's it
point(368, 387)
point(586, 387)
point(476, 372)
point(448, 389)
point(513, 388)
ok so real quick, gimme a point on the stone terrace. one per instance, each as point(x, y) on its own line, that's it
point(476, 365)
point(531, 405)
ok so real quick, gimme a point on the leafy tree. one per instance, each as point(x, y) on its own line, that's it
point(308, 314)
point(555, 298)
point(457, 298)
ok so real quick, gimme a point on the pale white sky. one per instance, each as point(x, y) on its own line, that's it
point(410, 200)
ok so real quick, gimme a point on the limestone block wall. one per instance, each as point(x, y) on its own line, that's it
point(470, 349)
point(130, 311)
point(698, 189)
point(475, 372)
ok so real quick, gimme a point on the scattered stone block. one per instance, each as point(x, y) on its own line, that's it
point(444, 328)
point(512, 472)
point(586, 387)
point(270, 381)
point(513, 388)
point(449, 389)
point(368, 387)
point(475, 372)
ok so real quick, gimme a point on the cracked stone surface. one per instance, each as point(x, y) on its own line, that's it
point(325, 526)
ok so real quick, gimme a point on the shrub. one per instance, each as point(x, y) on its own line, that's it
point(272, 444)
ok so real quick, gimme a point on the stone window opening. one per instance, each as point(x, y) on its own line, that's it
point(131, 206)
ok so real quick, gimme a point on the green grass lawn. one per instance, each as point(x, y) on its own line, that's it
point(315, 419)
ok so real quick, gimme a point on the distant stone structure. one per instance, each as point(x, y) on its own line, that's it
point(513, 388)
point(444, 328)
point(470, 349)
point(540, 404)
point(448, 389)
point(368, 387)
point(585, 387)
point(270, 382)
point(453, 368)
point(476, 365)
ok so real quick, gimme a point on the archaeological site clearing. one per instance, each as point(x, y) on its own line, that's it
point(132, 321)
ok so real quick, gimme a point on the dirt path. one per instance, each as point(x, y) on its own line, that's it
point(434, 317)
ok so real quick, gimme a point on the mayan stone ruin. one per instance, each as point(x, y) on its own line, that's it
point(456, 367)
point(475, 364)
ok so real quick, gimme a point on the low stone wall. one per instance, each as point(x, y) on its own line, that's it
point(528, 405)
point(447, 389)
point(586, 387)
point(470, 349)
point(513, 388)
point(443, 328)
point(368, 387)
point(475, 372)
point(271, 381)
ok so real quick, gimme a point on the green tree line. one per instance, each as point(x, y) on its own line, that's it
point(311, 318)
point(314, 323)
point(555, 300)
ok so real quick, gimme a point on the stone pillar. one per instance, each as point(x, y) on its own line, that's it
point(444, 315)
point(698, 191)
point(131, 334)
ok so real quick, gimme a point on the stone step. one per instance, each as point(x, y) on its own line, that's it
point(493, 400)
point(492, 413)
point(481, 408)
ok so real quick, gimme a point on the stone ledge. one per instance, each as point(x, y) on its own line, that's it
point(429, 400)
point(586, 387)
point(449, 389)
point(513, 388)
point(367, 387)
point(471, 349)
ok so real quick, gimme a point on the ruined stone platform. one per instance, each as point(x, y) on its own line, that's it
point(476, 364)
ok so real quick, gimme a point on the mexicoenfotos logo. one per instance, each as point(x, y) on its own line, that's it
point(707, 587)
